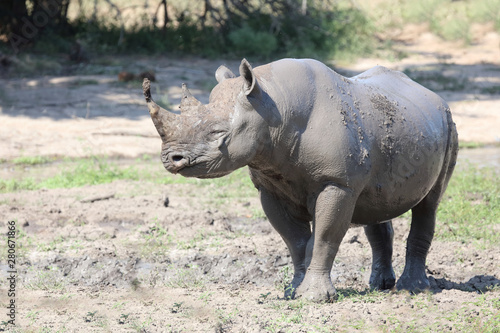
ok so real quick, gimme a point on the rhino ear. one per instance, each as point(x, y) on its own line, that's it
point(223, 73)
point(250, 87)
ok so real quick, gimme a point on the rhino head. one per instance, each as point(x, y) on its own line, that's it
point(212, 140)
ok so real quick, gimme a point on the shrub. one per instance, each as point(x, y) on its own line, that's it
point(257, 29)
point(246, 42)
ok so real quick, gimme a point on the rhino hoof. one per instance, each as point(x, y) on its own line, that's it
point(382, 280)
point(317, 289)
point(414, 285)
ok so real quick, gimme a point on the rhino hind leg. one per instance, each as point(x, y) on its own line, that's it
point(423, 222)
point(419, 241)
point(380, 236)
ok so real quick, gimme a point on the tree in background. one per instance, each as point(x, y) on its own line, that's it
point(23, 22)
point(202, 27)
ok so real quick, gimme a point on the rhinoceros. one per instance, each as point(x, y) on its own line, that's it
point(326, 153)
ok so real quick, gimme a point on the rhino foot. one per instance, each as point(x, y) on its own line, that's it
point(413, 282)
point(317, 288)
point(383, 280)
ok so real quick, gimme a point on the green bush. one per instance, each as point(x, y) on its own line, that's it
point(247, 42)
point(260, 30)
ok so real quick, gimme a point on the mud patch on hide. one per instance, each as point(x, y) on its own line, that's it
point(389, 111)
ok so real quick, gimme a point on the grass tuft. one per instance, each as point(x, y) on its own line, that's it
point(89, 171)
point(31, 160)
point(470, 208)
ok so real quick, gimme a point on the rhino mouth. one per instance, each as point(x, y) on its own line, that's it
point(201, 170)
point(188, 172)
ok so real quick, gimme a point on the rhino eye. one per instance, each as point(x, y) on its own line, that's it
point(216, 134)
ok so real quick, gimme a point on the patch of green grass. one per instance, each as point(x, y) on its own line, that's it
point(470, 145)
point(11, 185)
point(366, 296)
point(31, 160)
point(470, 208)
point(89, 171)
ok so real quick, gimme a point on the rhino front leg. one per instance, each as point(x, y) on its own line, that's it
point(333, 213)
point(381, 237)
point(295, 232)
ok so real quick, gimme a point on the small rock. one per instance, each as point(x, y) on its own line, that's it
point(354, 239)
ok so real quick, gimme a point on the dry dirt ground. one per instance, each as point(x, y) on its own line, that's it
point(130, 264)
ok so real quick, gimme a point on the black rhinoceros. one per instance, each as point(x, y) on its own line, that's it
point(325, 152)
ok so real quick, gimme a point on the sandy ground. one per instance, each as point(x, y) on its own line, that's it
point(130, 264)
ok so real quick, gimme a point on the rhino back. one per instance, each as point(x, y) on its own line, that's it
point(378, 133)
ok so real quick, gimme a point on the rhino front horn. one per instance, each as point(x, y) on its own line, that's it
point(161, 117)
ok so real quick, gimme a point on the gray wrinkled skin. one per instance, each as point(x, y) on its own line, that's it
point(326, 153)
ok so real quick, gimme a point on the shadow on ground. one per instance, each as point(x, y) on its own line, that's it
point(478, 283)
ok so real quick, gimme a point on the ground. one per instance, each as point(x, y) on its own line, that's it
point(195, 257)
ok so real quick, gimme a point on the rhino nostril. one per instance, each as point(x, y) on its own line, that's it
point(177, 158)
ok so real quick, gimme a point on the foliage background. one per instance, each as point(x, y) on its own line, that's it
point(208, 28)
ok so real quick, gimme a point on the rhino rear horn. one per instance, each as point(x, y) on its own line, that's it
point(188, 101)
point(161, 117)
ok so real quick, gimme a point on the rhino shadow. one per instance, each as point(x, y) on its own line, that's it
point(478, 284)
